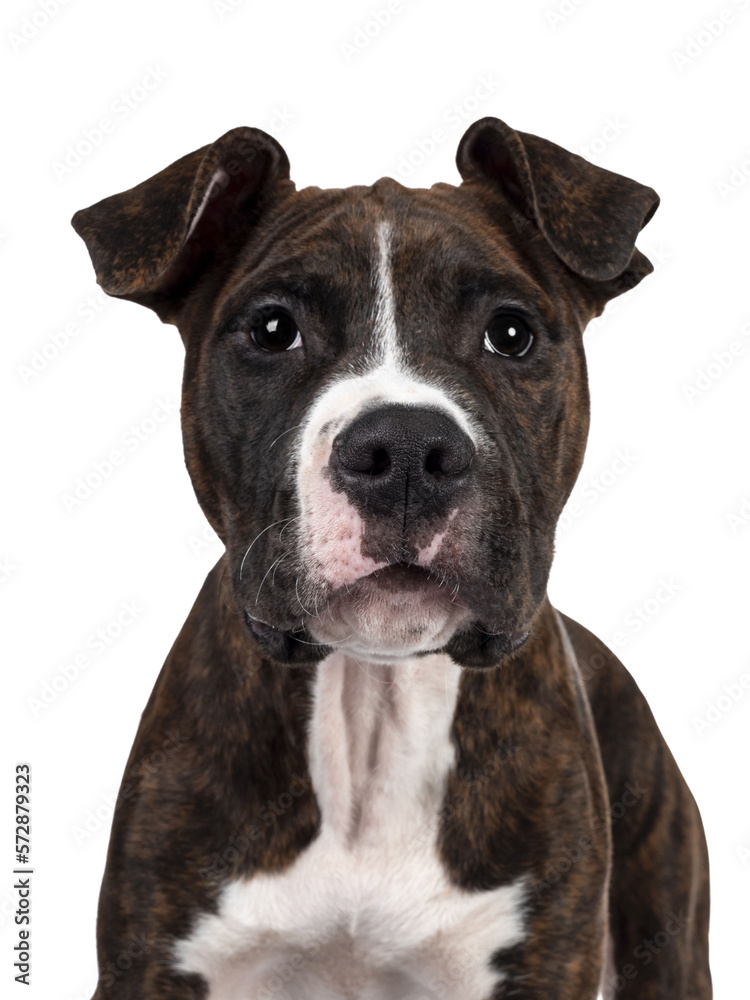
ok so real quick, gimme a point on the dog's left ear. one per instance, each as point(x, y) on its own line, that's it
point(151, 244)
point(589, 216)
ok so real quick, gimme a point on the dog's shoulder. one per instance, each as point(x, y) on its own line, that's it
point(634, 752)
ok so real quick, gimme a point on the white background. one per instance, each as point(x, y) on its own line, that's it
point(680, 125)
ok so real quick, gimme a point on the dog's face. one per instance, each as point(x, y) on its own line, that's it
point(385, 403)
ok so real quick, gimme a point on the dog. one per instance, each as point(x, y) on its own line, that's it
point(384, 766)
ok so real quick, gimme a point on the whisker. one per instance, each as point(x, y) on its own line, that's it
point(380, 680)
point(276, 565)
point(331, 642)
point(257, 537)
point(474, 626)
point(296, 590)
point(288, 522)
point(273, 564)
point(287, 431)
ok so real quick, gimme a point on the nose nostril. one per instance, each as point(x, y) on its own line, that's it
point(447, 462)
point(381, 461)
point(366, 461)
point(433, 464)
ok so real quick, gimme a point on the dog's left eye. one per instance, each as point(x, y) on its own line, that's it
point(274, 330)
point(508, 335)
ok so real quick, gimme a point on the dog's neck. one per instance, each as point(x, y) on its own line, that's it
point(380, 744)
point(372, 736)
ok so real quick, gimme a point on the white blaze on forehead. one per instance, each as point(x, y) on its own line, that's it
point(386, 346)
point(330, 527)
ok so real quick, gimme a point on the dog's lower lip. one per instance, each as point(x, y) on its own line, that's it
point(403, 570)
point(402, 576)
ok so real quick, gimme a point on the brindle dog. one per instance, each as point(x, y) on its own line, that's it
point(400, 773)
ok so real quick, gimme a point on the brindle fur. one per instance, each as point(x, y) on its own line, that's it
point(546, 748)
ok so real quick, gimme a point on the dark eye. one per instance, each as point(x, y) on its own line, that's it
point(274, 330)
point(508, 335)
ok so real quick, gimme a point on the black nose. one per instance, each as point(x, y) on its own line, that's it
point(401, 460)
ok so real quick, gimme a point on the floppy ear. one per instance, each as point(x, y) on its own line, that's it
point(589, 216)
point(151, 243)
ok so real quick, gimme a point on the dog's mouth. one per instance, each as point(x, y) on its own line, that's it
point(395, 612)
point(405, 578)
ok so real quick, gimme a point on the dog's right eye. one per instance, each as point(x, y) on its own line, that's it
point(274, 330)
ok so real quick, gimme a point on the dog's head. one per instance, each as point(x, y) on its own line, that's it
point(385, 401)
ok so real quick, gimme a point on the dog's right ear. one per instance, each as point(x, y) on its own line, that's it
point(151, 243)
point(589, 216)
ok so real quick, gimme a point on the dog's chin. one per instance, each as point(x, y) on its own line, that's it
point(395, 612)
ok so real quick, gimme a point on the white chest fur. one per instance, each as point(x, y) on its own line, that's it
point(367, 911)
